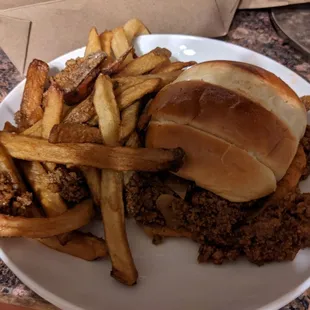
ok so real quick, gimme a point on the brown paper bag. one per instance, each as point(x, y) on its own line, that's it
point(59, 26)
point(256, 4)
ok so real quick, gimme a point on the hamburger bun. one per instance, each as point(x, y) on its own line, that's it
point(239, 125)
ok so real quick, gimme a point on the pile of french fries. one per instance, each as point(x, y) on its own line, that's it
point(88, 115)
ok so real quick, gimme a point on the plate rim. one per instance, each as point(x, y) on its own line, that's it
point(64, 304)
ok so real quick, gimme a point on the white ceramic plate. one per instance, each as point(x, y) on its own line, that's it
point(170, 277)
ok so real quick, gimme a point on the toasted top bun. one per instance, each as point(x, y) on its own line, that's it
point(239, 125)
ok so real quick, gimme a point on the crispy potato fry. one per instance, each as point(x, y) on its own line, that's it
point(165, 63)
point(145, 118)
point(153, 231)
point(93, 44)
point(107, 110)
point(123, 83)
point(112, 208)
point(106, 41)
point(133, 141)
point(84, 246)
point(75, 133)
point(134, 27)
point(94, 121)
point(145, 63)
point(116, 65)
point(34, 131)
point(111, 189)
point(81, 113)
point(93, 178)
point(77, 79)
point(30, 109)
point(93, 155)
point(120, 44)
point(174, 66)
point(8, 127)
point(37, 177)
point(53, 110)
point(129, 120)
point(71, 220)
point(136, 92)
point(306, 101)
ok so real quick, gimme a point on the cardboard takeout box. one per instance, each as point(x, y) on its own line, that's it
point(47, 29)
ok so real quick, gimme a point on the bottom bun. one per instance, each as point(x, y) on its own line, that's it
point(213, 163)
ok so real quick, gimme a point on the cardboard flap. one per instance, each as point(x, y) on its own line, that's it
point(14, 36)
point(259, 4)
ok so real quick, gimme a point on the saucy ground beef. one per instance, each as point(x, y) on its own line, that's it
point(13, 201)
point(227, 230)
point(69, 183)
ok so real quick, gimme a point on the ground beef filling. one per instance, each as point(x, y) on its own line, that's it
point(305, 142)
point(227, 230)
point(13, 201)
point(69, 183)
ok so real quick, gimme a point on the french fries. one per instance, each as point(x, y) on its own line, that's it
point(175, 66)
point(106, 41)
point(37, 177)
point(123, 83)
point(136, 92)
point(75, 133)
point(120, 44)
point(76, 80)
point(134, 27)
point(34, 131)
point(8, 127)
point(93, 44)
point(145, 117)
point(84, 246)
point(71, 220)
point(112, 207)
point(30, 109)
point(53, 110)
point(133, 140)
point(129, 120)
point(107, 110)
point(82, 112)
point(93, 155)
point(93, 178)
point(145, 63)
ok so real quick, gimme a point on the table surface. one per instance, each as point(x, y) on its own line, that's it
point(251, 29)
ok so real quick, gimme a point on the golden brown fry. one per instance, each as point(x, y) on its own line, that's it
point(81, 113)
point(93, 176)
point(174, 66)
point(306, 101)
point(30, 109)
point(34, 131)
point(111, 189)
point(93, 155)
point(145, 63)
point(8, 127)
point(84, 246)
point(161, 65)
point(120, 44)
point(123, 83)
point(145, 117)
point(134, 27)
point(107, 110)
point(112, 208)
point(106, 40)
point(75, 133)
point(71, 220)
point(153, 231)
point(53, 110)
point(37, 177)
point(129, 120)
point(94, 121)
point(133, 140)
point(76, 80)
point(136, 92)
point(93, 44)
point(110, 68)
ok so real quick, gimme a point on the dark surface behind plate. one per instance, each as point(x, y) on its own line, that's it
point(251, 29)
